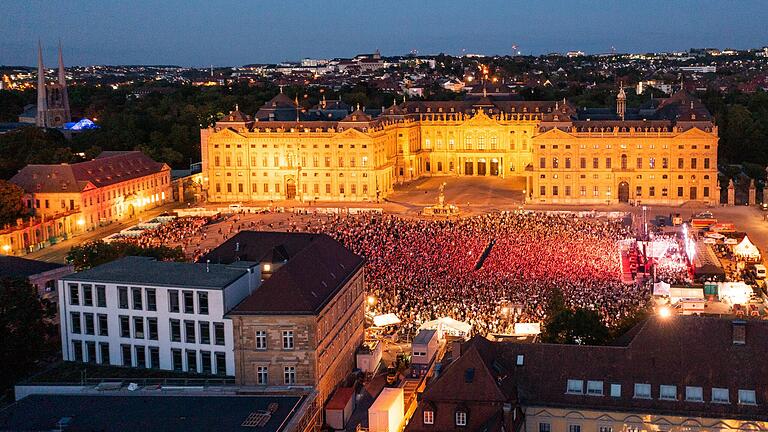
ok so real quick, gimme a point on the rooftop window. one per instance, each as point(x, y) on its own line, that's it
point(595, 388)
point(747, 397)
point(575, 387)
point(720, 395)
point(668, 392)
point(694, 394)
point(642, 391)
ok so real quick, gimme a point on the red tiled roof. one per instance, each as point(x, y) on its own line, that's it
point(106, 169)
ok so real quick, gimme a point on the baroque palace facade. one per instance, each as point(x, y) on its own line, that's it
point(662, 153)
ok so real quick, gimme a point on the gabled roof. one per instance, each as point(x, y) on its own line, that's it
point(107, 168)
point(317, 267)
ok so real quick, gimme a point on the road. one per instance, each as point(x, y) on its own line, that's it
point(58, 253)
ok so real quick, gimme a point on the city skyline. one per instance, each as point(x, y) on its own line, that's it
point(232, 35)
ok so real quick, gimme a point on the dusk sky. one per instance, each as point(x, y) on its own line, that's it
point(229, 33)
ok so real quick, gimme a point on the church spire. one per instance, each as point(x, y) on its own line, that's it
point(41, 96)
point(63, 86)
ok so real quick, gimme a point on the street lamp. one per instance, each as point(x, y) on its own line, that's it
point(6, 248)
point(665, 312)
point(371, 300)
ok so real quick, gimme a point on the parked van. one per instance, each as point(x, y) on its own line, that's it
point(759, 270)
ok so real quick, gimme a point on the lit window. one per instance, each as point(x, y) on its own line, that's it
point(642, 391)
point(720, 395)
point(747, 397)
point(668, 392)
point(429, 417)
point(575, 386)
point(520, 359)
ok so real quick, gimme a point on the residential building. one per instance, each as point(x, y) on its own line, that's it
point(143, 313)
point(40, 274)
point(664, 152)
point(666, 374)
point(112, 187)
point(303, 324)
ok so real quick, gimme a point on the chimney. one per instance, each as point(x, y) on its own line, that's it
point(739, 332)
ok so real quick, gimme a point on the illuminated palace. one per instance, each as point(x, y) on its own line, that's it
point(662, 153)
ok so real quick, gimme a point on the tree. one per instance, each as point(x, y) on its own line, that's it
point(27, 329)
point(92, 254)
point(10, 202)
point(580, 327)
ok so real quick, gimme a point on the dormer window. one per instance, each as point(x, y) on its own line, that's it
point(595, 388)
point(747, 397)
point(642, 391)
point(461, 418)
point(720, 395)
point(575, 387)
point(668, 392)
point(429, 417)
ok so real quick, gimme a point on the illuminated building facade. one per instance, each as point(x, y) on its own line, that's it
point(303, 324)
point(662, 153)
point(112, 187)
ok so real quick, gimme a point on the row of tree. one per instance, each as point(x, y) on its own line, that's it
point(166, 123)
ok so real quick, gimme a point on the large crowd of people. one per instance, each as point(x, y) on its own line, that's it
point(490, 271)
point(425, 269)
point(181, 231)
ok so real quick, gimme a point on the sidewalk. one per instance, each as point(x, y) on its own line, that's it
point(57, 253)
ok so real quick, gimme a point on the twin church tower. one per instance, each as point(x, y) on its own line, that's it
point(52, 100)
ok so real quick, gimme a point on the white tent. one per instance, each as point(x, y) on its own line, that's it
point(734, 292)
point(746, 249)
point(447, 325)
point(385, 320)
point(661, 289)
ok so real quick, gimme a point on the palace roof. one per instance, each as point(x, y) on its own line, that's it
point(108, 168)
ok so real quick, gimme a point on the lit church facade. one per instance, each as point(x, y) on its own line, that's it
point(664, 153)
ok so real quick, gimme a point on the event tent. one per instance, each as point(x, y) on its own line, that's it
point(447, 325)
point(746, 249)
point(734, 292)
point(385, 320)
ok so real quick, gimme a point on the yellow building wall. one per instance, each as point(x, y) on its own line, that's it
point(330, 164)
point(561, 419)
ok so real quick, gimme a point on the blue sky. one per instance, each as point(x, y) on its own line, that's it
point(234, 33)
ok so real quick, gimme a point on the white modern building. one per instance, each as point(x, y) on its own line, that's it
point(144, 313)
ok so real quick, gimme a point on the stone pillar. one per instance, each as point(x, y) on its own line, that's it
point(752, 192)
point(731, 194)
point(765, 193)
